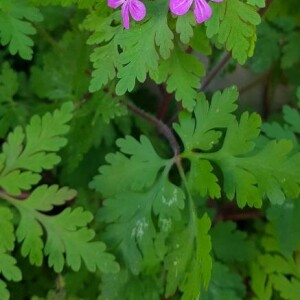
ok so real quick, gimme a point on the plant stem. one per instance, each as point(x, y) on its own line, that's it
point(165, 103)
point(263, 10)
point(216, 70)
point(7, 197)
point(226, 58)
point(161, 126)
point(46, 36)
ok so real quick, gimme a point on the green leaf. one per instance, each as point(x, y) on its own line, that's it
point(7, 241)
point(142, 41)
point(258, 3)
point(286, 222)
point(27, 154)
point(69, 241)
point(273, 272)
point(80, 3)
point(181, 73)
point(141, 46)
point(201, 265)
point(136, 172)
point(177, 259)
point(202, 180)
point(251, 170)
point(67, 235)
point(4, 293)
point(61, 76)
point(271, 168)
point(267, 49)
point(133, 228)
point(125, 286)
point(224, 285)
point(291, 50)
point(230, 244)
point(292, 118)
point(15, 26)
point(8, 267)
point(234, 24)
point(288, 289)
point(277, 131)
point(8, 83)
point(261, 286)
point(199, 131)
point(184, 27)
point(105, 57)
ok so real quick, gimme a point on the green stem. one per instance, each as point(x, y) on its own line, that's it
point(42, 32)
point(209, 156)
point(7, 198)
point(216, 70)
point(161, 126)
point(192, 208)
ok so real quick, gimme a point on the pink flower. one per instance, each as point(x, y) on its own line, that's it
point(202, 10)
point(135, 8)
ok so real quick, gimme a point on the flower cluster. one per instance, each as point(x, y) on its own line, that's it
point(137, 10)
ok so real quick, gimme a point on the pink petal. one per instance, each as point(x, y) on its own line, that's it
point(137, 9)
point(125, 15)
point(180, 7)
point(115, 3)
point(202, 11)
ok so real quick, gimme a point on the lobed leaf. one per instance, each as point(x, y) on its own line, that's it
point(250, 170)
point(135, 172)
point(68, 242)
point(234, 24)
point(25, 154)
point(16, 28)
point(133, 229)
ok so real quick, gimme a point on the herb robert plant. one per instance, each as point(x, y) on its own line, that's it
point(137, 10)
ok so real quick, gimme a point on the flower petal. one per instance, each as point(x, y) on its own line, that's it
point(137, 9)
point(180, 7)
point(125, 15)
point(115, 3)
point(202, 11)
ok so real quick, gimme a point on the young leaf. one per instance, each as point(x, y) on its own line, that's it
point(273, 271)
point(224, 285)
point(230, 244)
point(200, 131)
point(234, 24)
point(288, 289)
point(27, 154)
point(15, 26)
point(7, 241)
point(292, 118)
point(285, 220)
point(4, 293)
point(136, 172)
point(142, 41)
point(8, 267)
point(184, 27)
point(291, 50)
point(267, 48)
point(181, 72)
point(8, 83)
